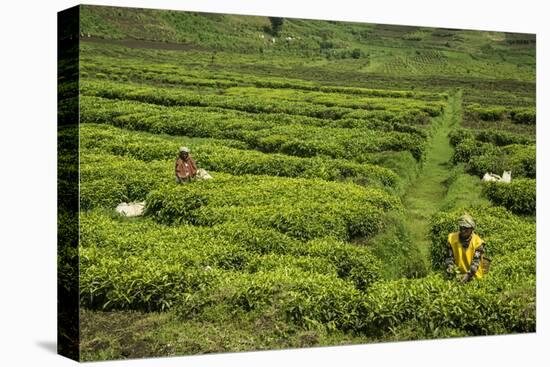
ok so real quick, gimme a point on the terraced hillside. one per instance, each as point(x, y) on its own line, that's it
point(341, 155)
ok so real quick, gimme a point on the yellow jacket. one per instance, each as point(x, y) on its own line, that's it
point(463, 257)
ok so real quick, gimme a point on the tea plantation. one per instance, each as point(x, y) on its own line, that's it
point(342, 155)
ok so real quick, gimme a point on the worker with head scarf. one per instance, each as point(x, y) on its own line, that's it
point(186, 168)
point(465, 250)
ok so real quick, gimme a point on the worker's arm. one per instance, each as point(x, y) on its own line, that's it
point(476, 260)
point(450, 260)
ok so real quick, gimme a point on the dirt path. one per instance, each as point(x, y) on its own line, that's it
point(154, 45)
point(426, 194)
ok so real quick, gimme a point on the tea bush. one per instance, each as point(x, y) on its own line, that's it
point(322, 105)
point(303, 299)
point(107, 180)
point(138, 264)
point(301, 208)
point(481, 157)
point(287, 144)
point(171, 73)
point(434, 303)
point(487, 113)
point(517, 115)
point(526, 116)
point(519, 159)
point(219, 155)
point(519, 196)
point(294, 139)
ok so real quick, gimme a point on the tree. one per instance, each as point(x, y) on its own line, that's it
point(276, 25)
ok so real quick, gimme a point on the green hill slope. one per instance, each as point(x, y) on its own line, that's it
point(368, 48)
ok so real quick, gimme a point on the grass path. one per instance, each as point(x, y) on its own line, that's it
point(425, 196)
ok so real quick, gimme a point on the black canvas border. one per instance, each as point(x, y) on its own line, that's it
point(68, 328)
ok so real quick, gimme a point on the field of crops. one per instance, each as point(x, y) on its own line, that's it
point(303, 236)
point(298, 174)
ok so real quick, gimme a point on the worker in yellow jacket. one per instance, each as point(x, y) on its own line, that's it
point(465, 250)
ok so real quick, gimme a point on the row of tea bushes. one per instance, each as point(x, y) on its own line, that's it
point(439, 306)
point(125, 69)
point(228, 156)
point(107, 180)
point(432, 303)
point(520, 159)
point(98, 109)
point(301, 208)
point(519, 115)
point(496, 137)
point(501, 303)
point(486, 157)
point(331, 99)
point(297, 139)
point(252, 104)
point(143, 265)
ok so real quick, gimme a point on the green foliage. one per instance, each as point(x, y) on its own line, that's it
point(524, 116)
point(519, 159)
point(517, 115)
point(276, 25)
point(463, 190)
point(519, 196)
point(457, 136)
point(303, 209)
point(293, 139)
point(356, 53)
point(502, 138)
point(395, 247)
point(493, 113)
point(470, 149)
point(323, 105)
point(306, 300)
point(219, 155)
point(141, 265)
point(171, 73)
point(434, 303)
point(284, 247)
point(107, 180)
point(484, 157)
point(496, 137)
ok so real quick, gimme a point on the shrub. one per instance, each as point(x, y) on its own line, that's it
point(519, 159)
point(221, 156)
point(524, 116)
point(457, 136)
point(502, 138)
point(303, 209)
point(490, 113)
point(141, 265)
point(469, 149)
point(295, 139)
point(434, 303)
point(519, 196)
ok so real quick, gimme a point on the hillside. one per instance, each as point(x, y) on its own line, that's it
point(333, 46)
